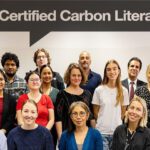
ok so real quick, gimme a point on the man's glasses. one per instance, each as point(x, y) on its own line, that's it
point(41, 57)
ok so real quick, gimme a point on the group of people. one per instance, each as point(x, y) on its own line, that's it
point(40, 112)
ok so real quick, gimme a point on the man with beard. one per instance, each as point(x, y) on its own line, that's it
point(132, 82)
point(93, 79)
point(14, 84)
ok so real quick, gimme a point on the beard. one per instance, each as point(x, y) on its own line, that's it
point(10, 74)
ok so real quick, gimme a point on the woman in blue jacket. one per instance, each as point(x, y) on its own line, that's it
point(79, 136)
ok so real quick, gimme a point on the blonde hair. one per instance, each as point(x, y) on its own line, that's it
point(143, 120)
point(147, 70)
point(119, 97)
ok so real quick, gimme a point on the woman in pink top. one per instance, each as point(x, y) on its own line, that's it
point(44, 103)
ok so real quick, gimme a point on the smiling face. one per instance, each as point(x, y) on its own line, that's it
point(2, 82)
point(34, 82)
point(29, 114)
point(148, 74)
point(46, 75)
point(112, 71)
point(79, 116)
point(135, 112)
point(85, 60)
point(133, 69)
point(75, 77)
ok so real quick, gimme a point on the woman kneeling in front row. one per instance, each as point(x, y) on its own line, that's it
point(133, 135)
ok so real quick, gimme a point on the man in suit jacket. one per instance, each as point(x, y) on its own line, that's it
point(134, 67)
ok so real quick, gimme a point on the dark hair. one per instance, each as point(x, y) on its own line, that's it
point(44, 66)
point(10, 56)
point(44, 51)
point(68, 73)
point(3, 74)
point(28, 74)
point(71, 126)
point(136, 59)
point(32, 102)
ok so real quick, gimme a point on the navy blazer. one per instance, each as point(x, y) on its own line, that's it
point(139, 83)
point(9, 112)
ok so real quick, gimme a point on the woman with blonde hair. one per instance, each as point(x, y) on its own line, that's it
point(133, 135)
point(144, 92)
point(109, 102)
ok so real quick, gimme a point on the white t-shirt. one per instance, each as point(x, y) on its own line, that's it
point(109, 116)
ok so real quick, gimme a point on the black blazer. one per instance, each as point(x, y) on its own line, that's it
point(139, 83)
point(9, 112)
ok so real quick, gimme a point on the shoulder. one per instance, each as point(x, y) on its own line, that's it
point(95, 74)
point(125, 80)
point(94, 131)
point(57, 75)
point(23, 96)
point(44, 131)
point(140, 82)
point(55, 90)
point(19, 79)
point(14, 131)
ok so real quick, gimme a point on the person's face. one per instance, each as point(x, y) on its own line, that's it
point(133, 69)
point(41, 59)
point(75, 77)
point(85, 60)
point(112, 71)
point(79, 116)
point(34, 82)
point(29, 114)
point(46, 75)
point(148, 75)
point(2, 82)
point(10, 68)
point(135, 112)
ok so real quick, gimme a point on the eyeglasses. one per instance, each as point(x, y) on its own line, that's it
point(81, 114)
point(34, 80)
point(41, 57)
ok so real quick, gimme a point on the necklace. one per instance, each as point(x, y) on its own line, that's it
point(129, 139)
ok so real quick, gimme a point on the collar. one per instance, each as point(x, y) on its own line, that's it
point(138, 129)
point(135, 81)
point(16, 78)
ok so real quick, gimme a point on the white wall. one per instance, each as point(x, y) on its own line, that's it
point(64, 48)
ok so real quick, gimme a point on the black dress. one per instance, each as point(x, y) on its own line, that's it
point(63, 102)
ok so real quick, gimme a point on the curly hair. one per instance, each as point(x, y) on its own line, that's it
point(10, 56)
point(68, 73)
point(44, 51)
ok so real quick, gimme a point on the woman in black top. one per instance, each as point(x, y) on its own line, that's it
point(133, 135)
point(144, 92)
point(7, 107)
point(74, 76)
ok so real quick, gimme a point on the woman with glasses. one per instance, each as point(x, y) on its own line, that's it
point(44, 103)
point(109, 102)
point(74, 77)
point(79, 136)
point(133, 134)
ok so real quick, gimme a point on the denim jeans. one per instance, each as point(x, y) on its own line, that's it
point(107, 141)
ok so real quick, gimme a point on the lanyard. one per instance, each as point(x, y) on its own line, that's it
point(128, 140)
